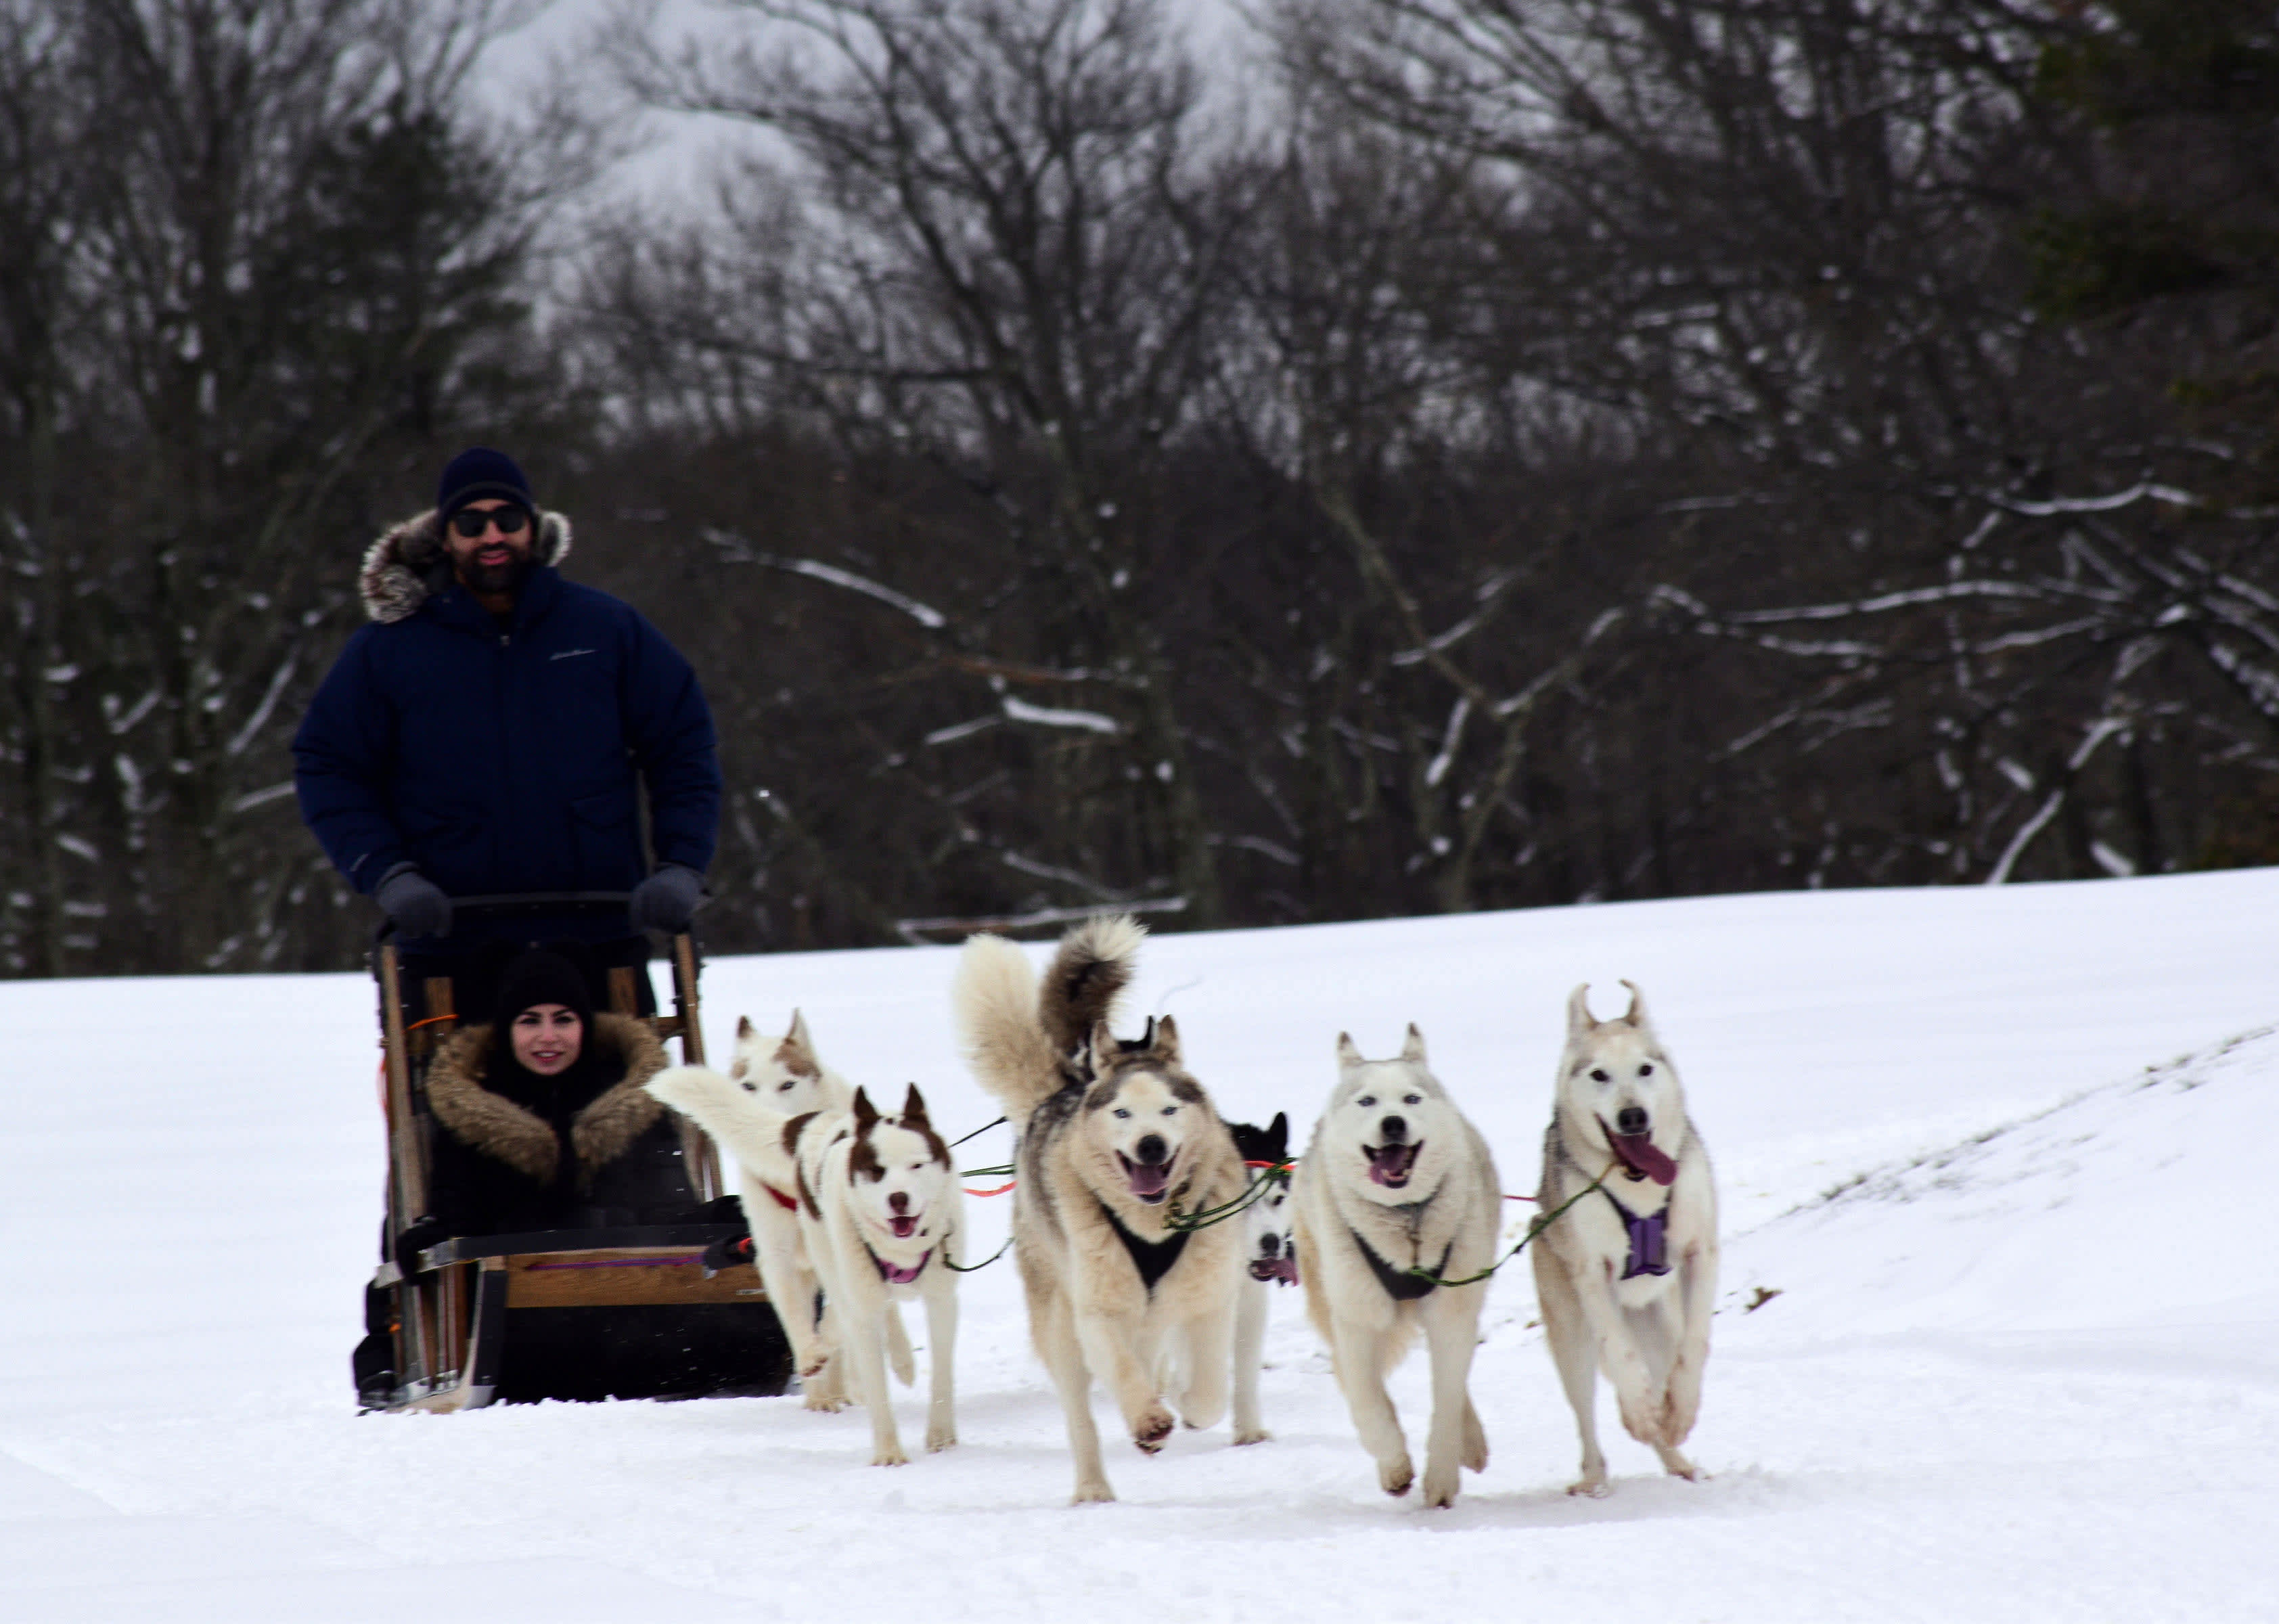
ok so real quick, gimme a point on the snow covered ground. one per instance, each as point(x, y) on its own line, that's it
point(1986, 1145)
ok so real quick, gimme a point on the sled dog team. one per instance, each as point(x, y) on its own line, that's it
point(1147, 1252)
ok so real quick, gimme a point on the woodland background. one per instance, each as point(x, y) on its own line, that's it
point(1449, 455)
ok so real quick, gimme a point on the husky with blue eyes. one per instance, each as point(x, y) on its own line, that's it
point(1116, 1137)
point(1396, 1199)
point(1627, 1276)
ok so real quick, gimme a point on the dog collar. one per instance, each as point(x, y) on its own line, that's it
point(1648, 1238)
point(790, 1204)
point(1152, 1259)
point(1399, 1283)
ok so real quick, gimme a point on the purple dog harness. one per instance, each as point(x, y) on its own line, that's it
point(1647, 1237)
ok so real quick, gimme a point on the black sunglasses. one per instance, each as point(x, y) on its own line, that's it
point(470, 523)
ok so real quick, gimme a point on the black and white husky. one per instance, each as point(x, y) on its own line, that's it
point(1626, 1278)
point(1396, 1180)
point(1270, 1253)
point(1114, 1137)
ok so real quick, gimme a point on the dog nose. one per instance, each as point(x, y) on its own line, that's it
point(1392, 1130)
point(899, 1202)
point(1270, 1246)
point(1631, 1119)
point(1151, 1149)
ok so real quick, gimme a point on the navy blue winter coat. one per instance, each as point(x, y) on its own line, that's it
point(504, 759)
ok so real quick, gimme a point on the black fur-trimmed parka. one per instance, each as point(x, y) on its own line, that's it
point(519, 1152)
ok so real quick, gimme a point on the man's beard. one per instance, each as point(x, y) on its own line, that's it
point(491, 580)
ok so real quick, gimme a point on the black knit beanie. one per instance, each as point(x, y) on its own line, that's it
point(478, 474)
point(544, 975)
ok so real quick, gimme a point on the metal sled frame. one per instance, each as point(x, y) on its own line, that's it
point(457, 1305)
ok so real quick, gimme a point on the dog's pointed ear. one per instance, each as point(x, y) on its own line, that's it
point(914, 1109)
point(1412, 1048)
point(866, 1115)
point(743, 1028)
point(796, 1052)
point(1278, 1138)
point(1100, 1040)
point(1163, 1040)
point(1579, 1012)
point(1636, 1014)
point(1348, 1056)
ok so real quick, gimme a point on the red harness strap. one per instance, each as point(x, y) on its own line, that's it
point(787, 1202)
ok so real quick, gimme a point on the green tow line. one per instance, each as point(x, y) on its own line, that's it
point(1534, 1229)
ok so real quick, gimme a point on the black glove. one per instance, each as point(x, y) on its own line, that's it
point(416, 905)
point(667, 900)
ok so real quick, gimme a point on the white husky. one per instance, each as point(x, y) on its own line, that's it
point(884, 1215)
point(1113, 1136)
point(769, 1081)
point(1396, 1180)
point(1627, 1275)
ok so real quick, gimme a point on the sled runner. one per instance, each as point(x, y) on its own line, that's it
point(617, 1311)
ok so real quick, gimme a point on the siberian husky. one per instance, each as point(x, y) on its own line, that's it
point(1272, 1260)
point(1396, 1180)
point(884, 1215)
point(770, 1082)
point(1113, 1136)
point(1625, 1277)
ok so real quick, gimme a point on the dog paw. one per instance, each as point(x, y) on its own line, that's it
point(1252, 1435)
point(1643, 1422)
point(1590, 1489)
point(890, 1456)
point(1151, 1428)
point(1394, 1478)
point(826, 1403)
point(1678, 1466)
point(1439, 1486)
point(1680, 1410)
point(1094, 1494)
point(940, 1438)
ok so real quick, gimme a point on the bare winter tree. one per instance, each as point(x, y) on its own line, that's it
point(1024, 278)
point(286, 256)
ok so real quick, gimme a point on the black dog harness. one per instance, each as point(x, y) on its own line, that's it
point(1399, 1283)
point(1152, 1259)
point(1648, 1238)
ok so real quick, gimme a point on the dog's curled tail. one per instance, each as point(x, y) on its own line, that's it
point(1086, 977)
point(994, 999)
point(737, 1124)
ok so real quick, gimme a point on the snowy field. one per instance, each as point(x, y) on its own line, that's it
point(2019, 1365)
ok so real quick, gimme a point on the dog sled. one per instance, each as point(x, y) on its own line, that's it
point(616, 1311)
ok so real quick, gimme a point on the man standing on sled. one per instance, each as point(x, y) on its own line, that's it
point(489, 732)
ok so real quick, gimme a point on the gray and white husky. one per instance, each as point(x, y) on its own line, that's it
point(1396, 1180)
point(1626, 1277)
point(1113, 1136)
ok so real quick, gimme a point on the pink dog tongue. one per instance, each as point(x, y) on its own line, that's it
point(1389, 1164)
point(1640, 1155)
point(1147, 1178)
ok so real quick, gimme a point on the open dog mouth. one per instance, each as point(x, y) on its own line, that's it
point(1149, 1181)
point(1640, 1156)
point(903, 1224)
point(1280, 1271)
point(1391, 1165)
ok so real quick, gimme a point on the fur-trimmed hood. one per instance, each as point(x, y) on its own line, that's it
point(602, 1131)
point(408, 564)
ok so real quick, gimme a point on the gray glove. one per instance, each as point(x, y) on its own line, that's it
point(416, 905)
point(667, 900)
